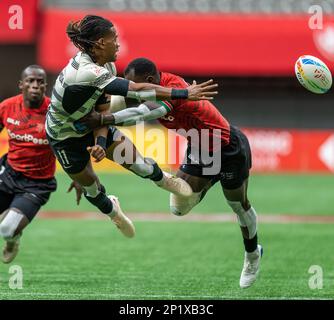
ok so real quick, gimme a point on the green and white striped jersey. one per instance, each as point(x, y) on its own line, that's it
point(75, 93)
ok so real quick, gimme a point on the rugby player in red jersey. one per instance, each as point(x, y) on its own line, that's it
point(27, 170)
point(219, 152)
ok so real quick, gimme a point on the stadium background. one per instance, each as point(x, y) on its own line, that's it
point(249, 47)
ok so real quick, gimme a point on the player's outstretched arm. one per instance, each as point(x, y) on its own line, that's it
point(144, 111)
point(202, 91)
point(152, 92)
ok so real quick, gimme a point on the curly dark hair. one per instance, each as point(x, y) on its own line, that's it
point(84, 33)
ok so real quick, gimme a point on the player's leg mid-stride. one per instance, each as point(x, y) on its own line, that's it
point(125, 153)
point(247, 218)
point(74, 157)
point(95, 193)
point(121, 221)
point(11, 232)
point(233, 176)
point(27, 170)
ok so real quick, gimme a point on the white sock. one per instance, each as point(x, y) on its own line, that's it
point(92, 190)
point(113, 213)
point(245, 218)
point(254, 254)
point(10, 223)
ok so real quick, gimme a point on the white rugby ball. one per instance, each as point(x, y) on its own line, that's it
point(313, 74)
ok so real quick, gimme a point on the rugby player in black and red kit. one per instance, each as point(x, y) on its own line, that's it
point(217, 151)
point(27, 170)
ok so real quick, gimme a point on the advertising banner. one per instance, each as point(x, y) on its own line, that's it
point(199, 44)
point(291, 150)
point(295, 151)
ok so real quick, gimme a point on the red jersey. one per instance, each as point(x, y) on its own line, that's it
point(29, 150)
point(196, 115)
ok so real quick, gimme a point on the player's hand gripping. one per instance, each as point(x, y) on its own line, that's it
point(90, 121)
point(202, 91)
point(97, 152)
point(78, 190)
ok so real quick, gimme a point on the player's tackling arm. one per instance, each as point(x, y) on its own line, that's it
point(128, 116)
point(152, 92)
point(148, 110)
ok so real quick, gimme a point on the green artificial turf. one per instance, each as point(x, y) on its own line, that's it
point(82, 259)
point(281, 194)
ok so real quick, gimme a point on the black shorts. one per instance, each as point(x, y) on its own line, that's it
point(230, 166)
point(21, 192)
point(72, 153)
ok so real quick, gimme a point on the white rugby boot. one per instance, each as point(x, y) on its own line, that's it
point(180, 206)
point(175, 185)
point(11, 249)
point(122, 222)
point(251, 267)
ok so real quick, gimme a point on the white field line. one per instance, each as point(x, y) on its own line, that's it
point(210, 217)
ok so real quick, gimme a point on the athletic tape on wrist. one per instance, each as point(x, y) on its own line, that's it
point(179, 94)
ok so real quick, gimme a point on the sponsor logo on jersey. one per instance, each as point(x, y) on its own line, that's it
point(14, 122)
point(27, 138)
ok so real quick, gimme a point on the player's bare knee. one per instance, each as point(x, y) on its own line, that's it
point(246, 218)
point(10, 223)
point(180, 206)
